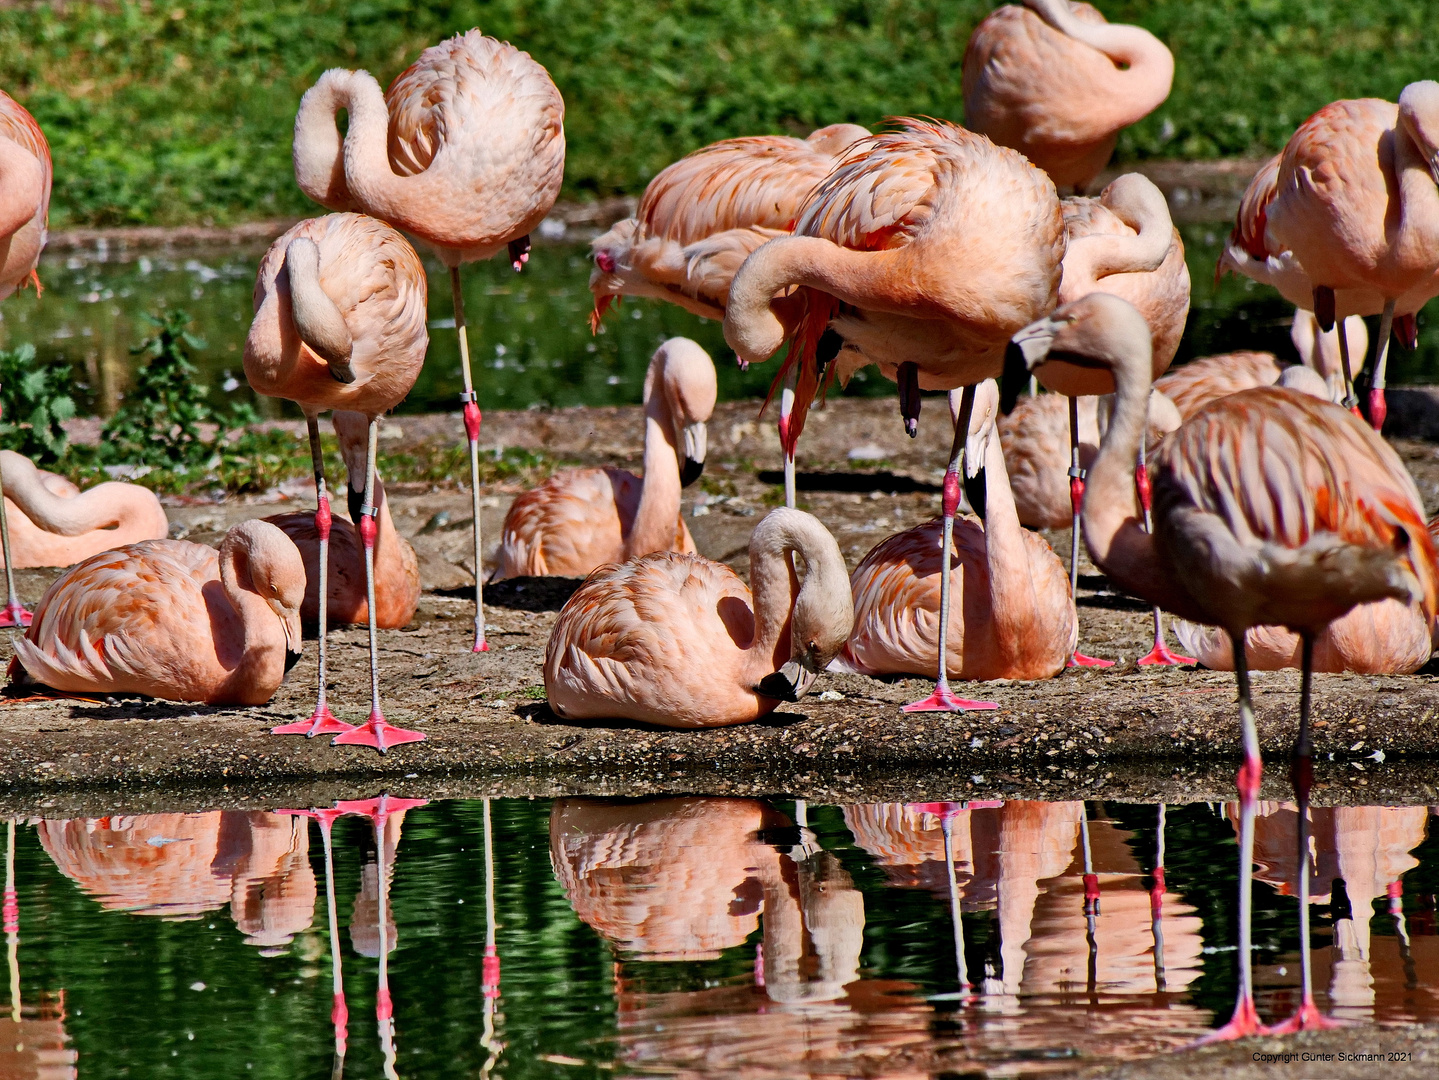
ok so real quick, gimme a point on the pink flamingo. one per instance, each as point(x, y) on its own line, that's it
point(921, 251)
point(1355, 200)
point(1122, 243)
point(465, 150)
point(340, 324)
point(1015, 618)
point(25, 176)
point(678, 640)
point(1258, 521)
point(172, 619)
point(1058, 83)
point(397, 570)
point(56, 524)
point(581, 518)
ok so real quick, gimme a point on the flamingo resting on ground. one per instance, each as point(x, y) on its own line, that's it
point(465, 151)
point(581, 518)
point(172, 619)
point(700, 217)
point(1270, 508)
point(923, 251)
point(678, 640)
point(1058, 83)
point(340, 324)
point(25, 175)
point(1356, 202)
point(1014, 618)
point(54, 523)
point(1125, 244)
point(397, 570)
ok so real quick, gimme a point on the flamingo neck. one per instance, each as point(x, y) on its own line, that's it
point(1418, 236)
point(1113, 521)
point(656, 517)
point(100, 508)
point(774, 586)
point(251, 611)
point(1092, 258)
point(1011, 583)
point(22, 186)
point(318, 149)
point(1144, 66)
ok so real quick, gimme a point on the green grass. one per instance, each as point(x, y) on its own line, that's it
point(181, 112)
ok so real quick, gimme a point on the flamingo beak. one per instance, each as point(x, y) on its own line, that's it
point(696, 437)
point(605, 261)
point(294, 643)
point(790, 683)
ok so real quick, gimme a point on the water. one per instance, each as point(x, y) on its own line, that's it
point(690, 937)
point(530, 332)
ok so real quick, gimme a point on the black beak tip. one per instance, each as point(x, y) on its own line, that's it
point(1014, 378)
point(355, 501)
point(291, 659)
point(776, 685)
point(691, 471)
point(974, 491)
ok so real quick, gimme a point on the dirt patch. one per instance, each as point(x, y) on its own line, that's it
point(1117, 733)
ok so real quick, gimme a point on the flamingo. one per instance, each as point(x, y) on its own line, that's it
point(25, 176)
point(56, 524)
point(171, 619)
point(1355, 200)
point(922, 250)
point(578, 519)
point(700, 218)
point(340, 324)
point(397, 570)
point(1015, 618)
point(678, 640)
point(1271, 508)
point(1125, 244)
point(466, 151)
point(1058, 83)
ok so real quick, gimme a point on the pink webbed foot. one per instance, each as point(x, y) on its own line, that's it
point(1080, 660)
point(15, 615)
point(1161, 654)
point(378, 733)
point(322, 722)
point(943, 700)
point(1308, 1018)
point(1242, 1025)
point(481, 645)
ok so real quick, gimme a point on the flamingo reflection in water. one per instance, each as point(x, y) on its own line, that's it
point(1357, 855)
point(35, 1047)
point(685, 879)
point(179, 866)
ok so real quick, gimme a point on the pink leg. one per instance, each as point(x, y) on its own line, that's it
point(14, 613)
point(1378, 408)
point(321, 721)
point(943, 699)
point(375, 731)
point(1161, 653)
point(1076, 504)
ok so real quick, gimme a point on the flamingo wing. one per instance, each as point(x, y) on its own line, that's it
point(1195, 384)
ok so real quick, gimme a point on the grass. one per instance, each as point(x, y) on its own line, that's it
point(181, 112)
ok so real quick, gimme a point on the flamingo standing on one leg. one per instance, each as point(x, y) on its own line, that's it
point(1058, 83)
point(701, 217)
point(340, 324)
point(25, 176)
point(579, 519)
point(922, 251)
point(1270, 508)
point(1014, 619)
point(465, 150)
point(1356, 201)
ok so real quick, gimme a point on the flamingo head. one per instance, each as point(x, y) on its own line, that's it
point(1419, 116)
point(612, 276)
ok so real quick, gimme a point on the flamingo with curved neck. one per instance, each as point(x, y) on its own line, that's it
point(174, 620)
point(678, 640)
point(54, 523)
point(466, 151)
point(1270, 507)
point(1058, 83)
point(582, 518)
point(1015, 618)
point(1356, 199)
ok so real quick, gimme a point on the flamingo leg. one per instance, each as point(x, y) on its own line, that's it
point(14, 613)
point(1156, 905)
point(786, 407)
point(1378, 408)
point(322, 721)
point(384, 1007)
point(374, 731)
point(1161, 653)
point(1091, 901)
point(1245, 1021)
point(490, 965)
point(946, 821)
point(943, 699)
point(339, 1012)
point(12, 921)
point(1076, 504)
point(1302, 777)
point(472, 432)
